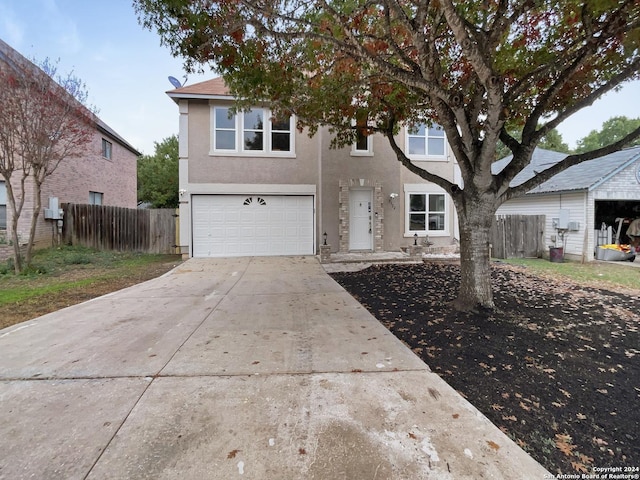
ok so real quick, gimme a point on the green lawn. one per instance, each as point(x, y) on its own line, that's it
point(619, 274)
point(59, 269)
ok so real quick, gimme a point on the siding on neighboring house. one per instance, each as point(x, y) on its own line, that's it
point(613, 178)
point(622, 186)
point(550, 206)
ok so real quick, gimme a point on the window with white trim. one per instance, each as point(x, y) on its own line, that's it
point(251, 132)
point(426, 142)
point(281, 134)
point(224, 136)
point(363, 144)
point(426, 213)
point(95, 198)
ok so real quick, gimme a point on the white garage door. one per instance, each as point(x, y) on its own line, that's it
point(252, 225)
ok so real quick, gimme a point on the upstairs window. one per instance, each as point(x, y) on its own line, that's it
point(224, 129)
point(252, 132)
point(426, 142)
point(281, 135)
point(362, 145)
point(95, 198)
point(106, 148)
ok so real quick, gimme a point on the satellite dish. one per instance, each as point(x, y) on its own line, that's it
point(175, 82)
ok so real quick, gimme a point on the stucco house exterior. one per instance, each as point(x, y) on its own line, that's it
point(105, 174)
point(582, 204)
point(254, 185)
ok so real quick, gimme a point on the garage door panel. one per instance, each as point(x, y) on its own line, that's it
point(262, 231)
point(251, 225)
point(276, 216)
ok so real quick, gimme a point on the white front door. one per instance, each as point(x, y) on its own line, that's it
point(360, 220)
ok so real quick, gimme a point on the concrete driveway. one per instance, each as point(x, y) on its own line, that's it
point(247, 368)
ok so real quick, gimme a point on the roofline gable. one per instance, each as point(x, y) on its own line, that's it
point(212, 89)
point(615, 171)
point(176, 97)
point(16, 61)
point(583, 178)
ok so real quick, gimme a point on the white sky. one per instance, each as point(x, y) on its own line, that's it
point(125, 68)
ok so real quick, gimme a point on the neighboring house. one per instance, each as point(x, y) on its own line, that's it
point(105, 174)
point(252, 185)
point(580, 200)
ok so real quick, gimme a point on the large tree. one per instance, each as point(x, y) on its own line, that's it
point(44, 122)
point(478, 68)
point(158, 175)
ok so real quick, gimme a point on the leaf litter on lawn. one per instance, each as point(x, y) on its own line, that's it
point(556, 366)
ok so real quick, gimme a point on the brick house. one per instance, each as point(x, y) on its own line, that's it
point(252, 185)
point(106, 174)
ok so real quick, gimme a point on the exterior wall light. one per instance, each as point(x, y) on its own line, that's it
point(392, 199)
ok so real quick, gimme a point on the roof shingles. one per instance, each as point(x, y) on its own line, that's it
point(583, 176)
point(215, 86)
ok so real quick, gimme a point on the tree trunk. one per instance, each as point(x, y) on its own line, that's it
point(15, 209)
point(37, 200)
point(475, 292)
point(17, 258)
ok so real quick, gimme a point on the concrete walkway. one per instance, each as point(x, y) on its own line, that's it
point(243, 368)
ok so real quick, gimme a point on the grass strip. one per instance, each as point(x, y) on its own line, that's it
point(15, 295)
point(612, 274)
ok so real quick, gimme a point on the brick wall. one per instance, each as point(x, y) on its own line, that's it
point(6, 251)
point(74, 178)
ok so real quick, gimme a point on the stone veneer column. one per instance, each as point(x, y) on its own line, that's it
point(343, 216)
point(378, 204)
point(377, 212)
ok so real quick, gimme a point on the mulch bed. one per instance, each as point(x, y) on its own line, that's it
point(556, 366)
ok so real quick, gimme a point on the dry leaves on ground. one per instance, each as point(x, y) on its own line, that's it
point(556, 366)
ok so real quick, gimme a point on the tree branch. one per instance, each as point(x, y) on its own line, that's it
point(569, 161)
point(450, 187)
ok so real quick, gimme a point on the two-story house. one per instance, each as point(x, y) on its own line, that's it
point(105, 174)
point(251, 184)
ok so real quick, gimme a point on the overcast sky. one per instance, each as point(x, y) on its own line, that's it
point(125, 68)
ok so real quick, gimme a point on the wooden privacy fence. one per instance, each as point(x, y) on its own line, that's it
point(518, 236)
point(116, 228)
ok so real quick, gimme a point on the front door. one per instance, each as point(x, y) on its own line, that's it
point(360, 220)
